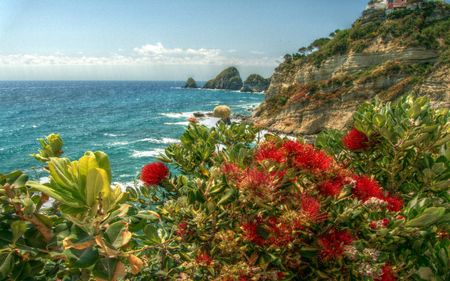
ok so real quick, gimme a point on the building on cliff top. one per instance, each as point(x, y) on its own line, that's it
point(390, 5)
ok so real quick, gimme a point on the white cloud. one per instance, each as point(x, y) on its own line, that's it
point(149, 54)
point(257, 52)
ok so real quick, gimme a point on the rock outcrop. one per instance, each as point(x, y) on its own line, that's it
point(385, 56)
point(255, 83)
point(229, 79)
point(190, 83)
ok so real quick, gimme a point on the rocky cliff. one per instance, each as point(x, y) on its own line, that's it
point(381, 55)
point(255, 83)
point(229, 79)
point(190, 83)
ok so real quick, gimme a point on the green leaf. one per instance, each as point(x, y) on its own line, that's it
point(21, 181)
point(18, 229)
point(59, 195)
point(96, 182)
point(227, 197)
point(103, 162)
point(105, 268)
point(6, 266)
point(82, 258)
point(426, 273)
point(117, 234)
point(151, 233)
point(429, 217)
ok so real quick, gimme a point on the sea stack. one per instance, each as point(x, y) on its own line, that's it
point(229, 79)
point(255, 83)
point(190, 83)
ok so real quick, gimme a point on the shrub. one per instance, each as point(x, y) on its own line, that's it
point(239, 206)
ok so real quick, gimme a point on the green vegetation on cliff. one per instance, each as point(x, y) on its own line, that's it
point(229, 79)
point(383, 54)
point(190, 83)
point(255, 83)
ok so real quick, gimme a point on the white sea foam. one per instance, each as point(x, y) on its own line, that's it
point(120, 143)
point(178, 114)
point(44, 180)
point(160, 141)
point(113, 135)
point(209, 122)
point(149, 153)
point(177, 123)
point(249, 105)
point(150, 140)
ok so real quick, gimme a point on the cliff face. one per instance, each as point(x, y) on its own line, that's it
point(229, 79)
point(190, 83)
point(383, 56)
point(255, 83)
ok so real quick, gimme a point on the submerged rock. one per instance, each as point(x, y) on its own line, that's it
point(199, 114)
point(190, 83)
point(255, 83)
point(229, 79)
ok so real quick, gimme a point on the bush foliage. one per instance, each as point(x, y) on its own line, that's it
point(368, 204)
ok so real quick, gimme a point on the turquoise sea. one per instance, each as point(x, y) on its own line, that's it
point(131, 121)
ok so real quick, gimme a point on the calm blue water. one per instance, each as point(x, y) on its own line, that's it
point(131, 121)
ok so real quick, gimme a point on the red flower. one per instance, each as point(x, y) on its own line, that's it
point(192, 119)
point(310, 207)
point(251, 233)
point(307, 157)
point(204, 259)
point(262, 183)
point(332, 187)
point(395, 203)
point(231, 170)
point(268, 232)
point(292, 147)
point(355, 140)
point(269, 151)
point(385, 222)
point(373, 225)
point(281, 275)
point(333, 243)
point(182, 229)
point(366, 188)
point(387, 274)
point(154, 173)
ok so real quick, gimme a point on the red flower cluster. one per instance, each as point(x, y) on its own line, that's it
point(307, 157)
point(231, 170)
point(260, 182)
point(355, 140)
point(269, 151)
point(395, 203)
point(333, 243)
point(268, 232)
point(154, 173)
point(182, 229)
point(333, 187)
point(204, 259)
point(387, 274)
point(381, 223)
point(311, 208)
point(367, 188)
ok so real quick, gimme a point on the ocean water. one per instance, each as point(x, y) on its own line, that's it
point(131, 121)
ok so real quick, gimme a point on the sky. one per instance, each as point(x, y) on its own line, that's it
point(159, 39)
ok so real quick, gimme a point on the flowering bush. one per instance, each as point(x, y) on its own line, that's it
point(371, 204)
